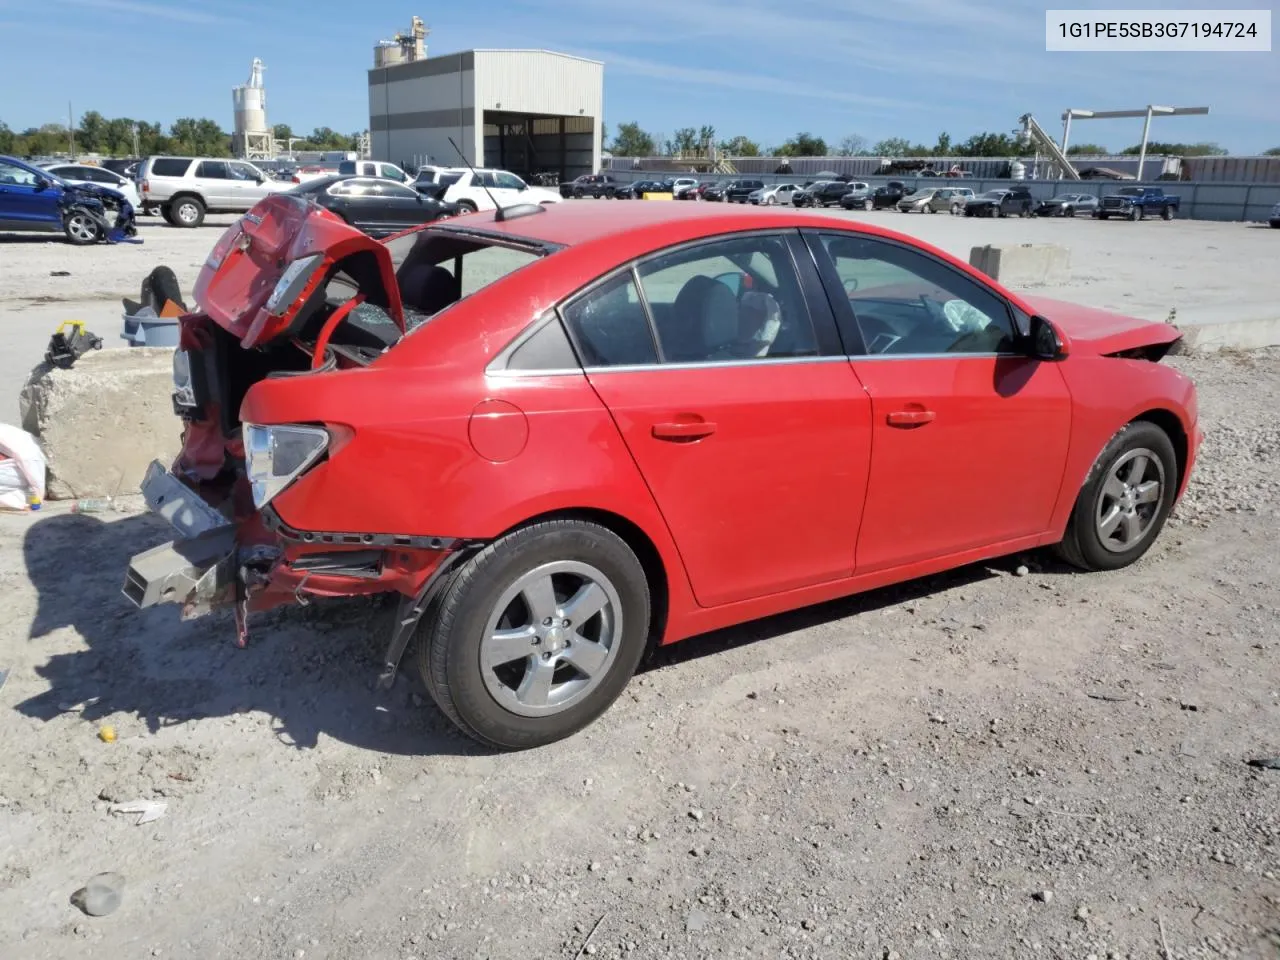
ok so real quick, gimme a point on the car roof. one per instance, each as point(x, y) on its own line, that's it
point(634, 229)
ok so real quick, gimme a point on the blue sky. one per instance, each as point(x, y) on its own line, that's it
point(909, 68)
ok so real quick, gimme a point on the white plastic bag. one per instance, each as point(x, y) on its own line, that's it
point(22, 469)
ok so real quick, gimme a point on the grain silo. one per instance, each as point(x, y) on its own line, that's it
point(253, 139)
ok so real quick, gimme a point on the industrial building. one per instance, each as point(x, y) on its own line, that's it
point(528, 111)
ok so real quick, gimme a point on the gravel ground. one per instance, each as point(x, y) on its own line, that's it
point(1009, 760)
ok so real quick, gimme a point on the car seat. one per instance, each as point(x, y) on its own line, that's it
point(428, 288)
point(704, 319)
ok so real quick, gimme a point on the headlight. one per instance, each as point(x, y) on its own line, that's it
point(292, 282)
point(276, 456)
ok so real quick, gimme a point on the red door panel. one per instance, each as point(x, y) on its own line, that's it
point(758, 469)
point(966, 452)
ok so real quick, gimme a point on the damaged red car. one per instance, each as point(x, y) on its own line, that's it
point(562, 435)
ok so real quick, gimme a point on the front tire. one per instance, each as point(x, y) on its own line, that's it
point(467, 206)
point(1125, 500)
point(538, 634)
point(81, 229)
point(1166, 213)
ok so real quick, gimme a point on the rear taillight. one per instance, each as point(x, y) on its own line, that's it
point(146, 187)
point(296, 179)
point(276, 456)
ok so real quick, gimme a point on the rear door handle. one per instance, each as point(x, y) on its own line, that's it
point(911, 418)
point(694, 430)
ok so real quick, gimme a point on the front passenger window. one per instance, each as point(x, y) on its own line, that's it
point(906, 302)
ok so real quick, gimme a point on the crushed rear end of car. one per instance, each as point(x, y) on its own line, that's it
point(268, 318)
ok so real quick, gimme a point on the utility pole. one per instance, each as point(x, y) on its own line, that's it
point(71, 129)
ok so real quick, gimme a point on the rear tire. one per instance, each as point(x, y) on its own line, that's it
point(1091, 541)
point(1135, 213)
point(507, 599)
point(467, 206)
point(1167, 213)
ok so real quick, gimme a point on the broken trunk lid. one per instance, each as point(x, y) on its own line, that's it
point(253, 283)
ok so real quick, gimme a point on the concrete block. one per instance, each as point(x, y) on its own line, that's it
point(1252, 334)
point(103, 421)
point(1024, 264)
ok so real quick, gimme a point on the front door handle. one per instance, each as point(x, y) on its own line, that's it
point(911, 418)
point(691, 430)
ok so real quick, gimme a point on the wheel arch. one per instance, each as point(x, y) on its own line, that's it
point(1169, 422)
point(640, 543)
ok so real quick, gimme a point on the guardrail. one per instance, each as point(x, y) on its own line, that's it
point(1249, 202)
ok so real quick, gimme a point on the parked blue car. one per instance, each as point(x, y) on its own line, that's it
point(36, 201)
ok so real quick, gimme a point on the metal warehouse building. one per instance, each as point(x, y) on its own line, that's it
point(527, 111)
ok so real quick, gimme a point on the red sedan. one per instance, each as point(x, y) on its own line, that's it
point(560, 435)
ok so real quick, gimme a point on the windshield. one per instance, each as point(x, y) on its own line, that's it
point(993, 195)
point(1130, 191)
point(1063, 197)
point(919, 194)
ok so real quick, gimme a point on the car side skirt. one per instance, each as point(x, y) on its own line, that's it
point(691, 622)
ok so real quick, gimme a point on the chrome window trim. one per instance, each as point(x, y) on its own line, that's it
point(753, 362)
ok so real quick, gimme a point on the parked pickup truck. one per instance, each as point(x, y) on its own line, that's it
point(591, 185)
point(1136, 203)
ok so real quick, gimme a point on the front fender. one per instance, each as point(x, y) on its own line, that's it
point(1108, 393)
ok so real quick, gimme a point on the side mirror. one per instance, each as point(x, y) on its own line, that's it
point(43, 184)
point(1046, 344)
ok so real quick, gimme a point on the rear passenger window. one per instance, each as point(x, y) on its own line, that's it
point(169, 167)
point(213, 170)
point(610, 327)
point(729, 300)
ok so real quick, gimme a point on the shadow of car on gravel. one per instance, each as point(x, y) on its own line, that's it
point(311, 669)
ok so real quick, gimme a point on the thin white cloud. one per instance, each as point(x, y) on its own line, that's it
point(155, 10)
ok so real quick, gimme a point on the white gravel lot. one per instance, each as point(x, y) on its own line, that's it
point(990, 763)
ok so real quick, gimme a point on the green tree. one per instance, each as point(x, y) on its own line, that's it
point(1273, 152)
point(943, 147)
point(892, 147)
point(685, 140)
point(739, 146)
point(282, 132)
point(803, 145)
point(1157, 148)
point(706, 136)
point(988, 145)
point(1077, 149)
point(631, 141)
point(8, 139)
point(90, 133)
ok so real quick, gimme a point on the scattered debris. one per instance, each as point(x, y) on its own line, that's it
point(59, 273)
point(1266, 763)
point(696, 922)
point(66, 348)
point(1022, 570)
point(4, 675)
point(101, 895)
point(107, 734)
point(147, 810)
point(586, 944)
point(1043, 896)
point(1109, 697)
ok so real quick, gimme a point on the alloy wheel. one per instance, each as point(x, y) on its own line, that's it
point(1129, 501)
point(551, 638)
point(82, 228)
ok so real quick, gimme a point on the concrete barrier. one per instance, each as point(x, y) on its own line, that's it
point(103, 421)
point(1024, 264)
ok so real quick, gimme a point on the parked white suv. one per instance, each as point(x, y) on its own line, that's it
point(186, 188)
point(507, 189)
